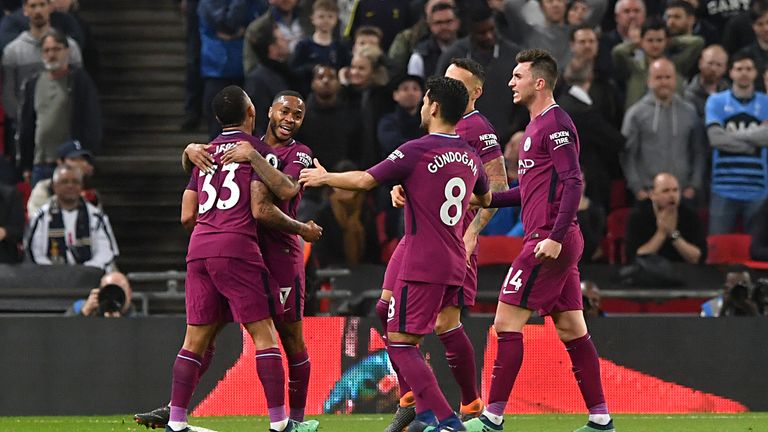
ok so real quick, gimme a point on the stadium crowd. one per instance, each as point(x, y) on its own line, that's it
point(668, 98)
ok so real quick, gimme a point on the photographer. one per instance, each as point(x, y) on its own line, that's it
point(735, 296)
point(590, 298)
point(112, 299)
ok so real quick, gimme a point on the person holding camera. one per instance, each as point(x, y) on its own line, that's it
point(112, 299)
point(735, 297)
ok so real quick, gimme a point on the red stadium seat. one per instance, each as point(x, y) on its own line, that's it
point(616, 227)
point(618, 197)
point(498, 249)
point(728, 248)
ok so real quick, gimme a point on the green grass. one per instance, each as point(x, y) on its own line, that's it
point(748, 422)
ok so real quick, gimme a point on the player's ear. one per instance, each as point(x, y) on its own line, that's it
point(269, 113)
point(478, 91)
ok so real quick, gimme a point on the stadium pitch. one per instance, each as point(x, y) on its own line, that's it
point(747, 422)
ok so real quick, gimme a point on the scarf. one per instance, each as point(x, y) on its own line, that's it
point(57, 243)
point(348, 215)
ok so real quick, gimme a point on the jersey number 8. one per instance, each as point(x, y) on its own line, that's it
point(452, 201)
point(229, 183)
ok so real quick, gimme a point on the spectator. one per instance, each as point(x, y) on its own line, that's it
point(758, 49)
point(629, 16)
point(591, 218)
point(737, 131)
point(402, 46)
point(576, 13)
point(73, 154)
point(664, 226)
point(738, 31)
point(22, 57)
point(193, 82)
point(758, 250)
point(590, 298)
point(681, 20)
point(321, 47)
point(443, 30)
point(348, 219)
point(404, 124)
point(68, 230)
point(533, 14)
point(367, 94)
point(325, 107)
point(663, 134)
point(112, 299)
point(497, 57)
point(292, 25)
point(736, 276)
point(272, 75)
point(718, 13)
point(760, 296)
point(391, 17)
point(367, 36)
point(11, 224)
point(222, 25)
point(58, 105)
point(552, 35)
point(69, 10)
point(713, 64)
point(17, 21)
point(631, 60)
point(600, 141)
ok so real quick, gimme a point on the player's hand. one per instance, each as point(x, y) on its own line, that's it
point(470, 243)
point(398, 196)
point(547, 249)
point(312, 232)
point(313, 177)
point(200, 157)
point(239, 153)
point(91, 304)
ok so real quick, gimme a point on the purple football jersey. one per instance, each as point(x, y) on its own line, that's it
point(478, 132)
point(225, 226)
point(291, 159)
point(439, 173)
point(549, 154)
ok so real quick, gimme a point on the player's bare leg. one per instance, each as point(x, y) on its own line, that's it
point(158, 417)
point(461, 360)
point(431, 405)
point(572, 330)
point(186, 373)
point(269, 367)
point(508, 324)
point(299, 366)
point(406, 409)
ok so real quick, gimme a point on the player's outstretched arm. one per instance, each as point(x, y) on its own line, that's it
point(350, 180)
point(189, 209)
point(197, 155)
point(507, 198)
point(284, 187)
point(266, 212)
point(497, 180)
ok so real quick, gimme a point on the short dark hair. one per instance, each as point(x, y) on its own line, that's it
point(682, 4)
point(262, 37)
point(543, 65)
point(292, 93)
point(325, 5)
point(450, 94)
point(369, 30)
point(230, 106)
point(741, 56)
point(579, 28)
point(654, 23)
point(480, 12)
point(441, 7)
point(471, 66)
point(57, 36)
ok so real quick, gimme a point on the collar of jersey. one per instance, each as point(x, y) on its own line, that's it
point(445, 135)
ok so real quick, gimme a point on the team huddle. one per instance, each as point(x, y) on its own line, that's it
point(245, 258)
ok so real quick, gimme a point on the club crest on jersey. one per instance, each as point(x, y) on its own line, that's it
point(527, 144)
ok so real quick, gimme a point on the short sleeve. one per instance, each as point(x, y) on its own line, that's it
point(298, 159)
point(192, 185)
point(712, 111)
point(397, 166)
point(481, 185)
